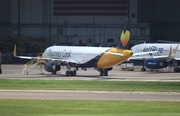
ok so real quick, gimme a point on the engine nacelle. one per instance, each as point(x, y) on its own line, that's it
point(155, 64)
point(51, 67)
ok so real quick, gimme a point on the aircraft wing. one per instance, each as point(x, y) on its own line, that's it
point(50, 59)
point(26, 57)
point(146, 57)
point(29, 57)
point(134, 54)
point(177, 58)
point(144, 53)
point(36, 58)
point(70, 60)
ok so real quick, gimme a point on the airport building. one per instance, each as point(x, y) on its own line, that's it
point(36, 24)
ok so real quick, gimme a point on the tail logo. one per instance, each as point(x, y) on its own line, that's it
point(124, 38)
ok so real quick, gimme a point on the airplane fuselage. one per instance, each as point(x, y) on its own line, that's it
point(163, 49)
point(168, 55)
point(87, 56)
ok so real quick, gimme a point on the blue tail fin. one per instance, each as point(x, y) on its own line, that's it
point(125, 36)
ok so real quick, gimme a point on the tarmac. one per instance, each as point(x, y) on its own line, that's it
point(14, 71)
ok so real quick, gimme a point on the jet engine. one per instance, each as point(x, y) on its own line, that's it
point(155, 64)
point(51, 67)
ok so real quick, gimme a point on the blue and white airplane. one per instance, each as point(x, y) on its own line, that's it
point(168, 55)
point(101, 58)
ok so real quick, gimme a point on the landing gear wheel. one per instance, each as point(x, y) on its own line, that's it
point(105, 73)
point(67, 73)
point(101, 73)
point(143, 69)
point(71, 73)
point(174, 70)
point(74, 72)
point(53, 73)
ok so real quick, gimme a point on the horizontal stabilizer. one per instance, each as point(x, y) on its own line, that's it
point(118, 54)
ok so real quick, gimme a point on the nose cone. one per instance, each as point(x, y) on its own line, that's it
point(131, 53)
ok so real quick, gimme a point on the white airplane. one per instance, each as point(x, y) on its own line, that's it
point(168, 55)
point(102, 58)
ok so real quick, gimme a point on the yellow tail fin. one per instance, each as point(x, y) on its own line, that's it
point(170, 51)
point(14, 53)
point(125, 36)
point(176, 49)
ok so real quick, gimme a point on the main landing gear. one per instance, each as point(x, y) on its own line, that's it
point(143, 67)
point(175, 70)
point(69, 72)
point(53, 73)
point(104, 71)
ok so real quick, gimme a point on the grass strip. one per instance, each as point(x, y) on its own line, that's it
point(90, 85)
point(76, 107)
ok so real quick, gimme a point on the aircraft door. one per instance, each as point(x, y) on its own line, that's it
point(138, 49)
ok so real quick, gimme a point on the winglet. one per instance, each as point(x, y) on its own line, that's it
point(176, 49)
point(170, 51)
point(14, 53)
